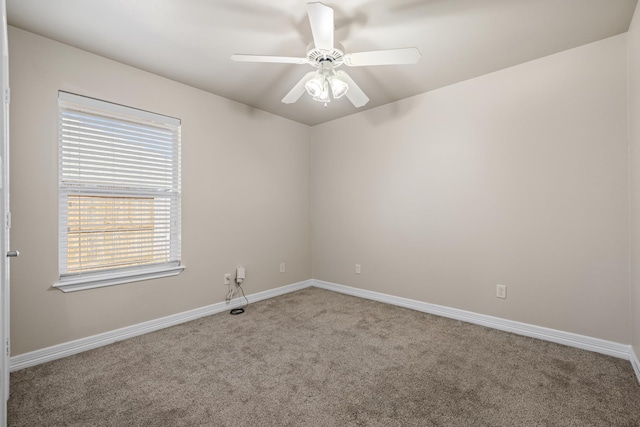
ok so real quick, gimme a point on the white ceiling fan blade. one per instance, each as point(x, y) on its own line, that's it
point(296, 92)
point(266, 58)
point(355, 94)
point(408, 55)
point(321, 20)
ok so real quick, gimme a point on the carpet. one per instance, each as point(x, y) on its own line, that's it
point(320, 358)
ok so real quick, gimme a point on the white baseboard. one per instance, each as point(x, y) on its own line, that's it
point(73, 347)
point(573, 340)
point(567, 338)
point(635, 362)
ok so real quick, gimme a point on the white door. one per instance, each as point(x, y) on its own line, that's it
point(5, 221)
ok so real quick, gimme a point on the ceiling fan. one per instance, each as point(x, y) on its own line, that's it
point(325, 57)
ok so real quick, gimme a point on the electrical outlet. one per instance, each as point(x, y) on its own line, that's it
point(227, 278)
point(501, 291)
point(358, 270)
point(283, 267)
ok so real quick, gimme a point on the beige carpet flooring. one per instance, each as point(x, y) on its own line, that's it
point(319, 358)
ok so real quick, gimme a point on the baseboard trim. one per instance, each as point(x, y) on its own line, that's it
point(567, 338)
point(635, 362)
point(59, 351)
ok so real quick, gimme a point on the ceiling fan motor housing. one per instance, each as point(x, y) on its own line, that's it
point(317, 57)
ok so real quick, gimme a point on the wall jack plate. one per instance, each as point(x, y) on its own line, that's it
point(227, 278)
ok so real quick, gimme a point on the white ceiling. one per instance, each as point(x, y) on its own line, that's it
point(191, 41)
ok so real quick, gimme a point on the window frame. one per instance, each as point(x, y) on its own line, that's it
point(75, 281)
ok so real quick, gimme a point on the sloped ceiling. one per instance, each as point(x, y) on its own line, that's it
point(192, 41)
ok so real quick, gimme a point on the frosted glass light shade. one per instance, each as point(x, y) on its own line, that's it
point(338, 87)
point(315, 86)
point(324, 95)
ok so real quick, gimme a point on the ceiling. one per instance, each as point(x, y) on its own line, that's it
point(192, 41)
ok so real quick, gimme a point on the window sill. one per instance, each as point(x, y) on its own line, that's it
point(80, 283)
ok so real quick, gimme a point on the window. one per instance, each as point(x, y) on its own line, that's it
point(119, 194)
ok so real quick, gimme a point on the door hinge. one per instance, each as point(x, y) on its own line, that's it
point(8, 220)
point(8, 347)
point(7, 95)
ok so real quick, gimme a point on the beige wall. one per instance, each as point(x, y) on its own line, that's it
point(245, 179)
point(518, 177)
point(634, 163)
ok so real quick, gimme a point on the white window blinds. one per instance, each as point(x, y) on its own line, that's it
point(119, 190)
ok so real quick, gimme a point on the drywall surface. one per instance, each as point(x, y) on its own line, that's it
point(516, 178)
point(245, 200)
point(634, 168)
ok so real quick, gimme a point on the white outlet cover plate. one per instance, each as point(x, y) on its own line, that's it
point(501, 291)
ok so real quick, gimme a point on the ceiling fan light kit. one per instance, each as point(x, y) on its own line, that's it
point(323, 79)
point(326, 58)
